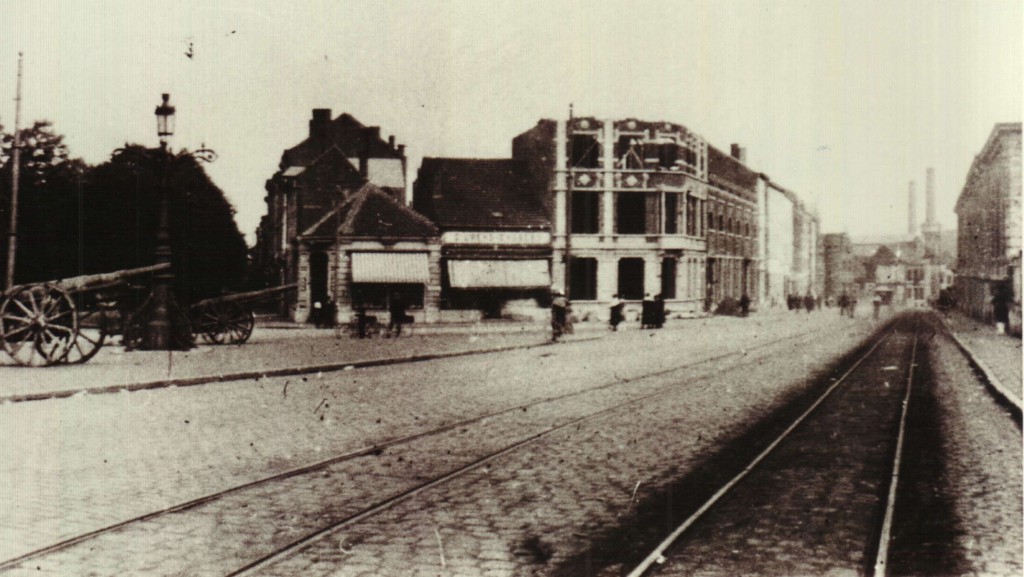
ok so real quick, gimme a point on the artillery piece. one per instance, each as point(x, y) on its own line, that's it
point(68, 321)
point(63, 321)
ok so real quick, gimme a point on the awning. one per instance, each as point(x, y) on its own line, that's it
point(390, 267)
point(498, 274)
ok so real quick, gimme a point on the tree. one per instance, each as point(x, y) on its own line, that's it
point(209, 254)
point(50, 185)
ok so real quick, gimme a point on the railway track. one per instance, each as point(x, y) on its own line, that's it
point(821, 498)
point(622, 395)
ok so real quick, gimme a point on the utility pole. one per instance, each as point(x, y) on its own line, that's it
point(12, 233)
point(567, 280)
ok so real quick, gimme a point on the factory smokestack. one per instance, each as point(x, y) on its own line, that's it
point(912, 210)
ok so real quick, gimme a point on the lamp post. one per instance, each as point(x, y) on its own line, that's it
point(166, 326)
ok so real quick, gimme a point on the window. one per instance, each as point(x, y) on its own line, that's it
point(585, 211)
point(721, 223)
point(667, 155)
point(668, 278)
point(629, 151)
point(630, 213)
point(585, 151)
point(692, 213)
point(583, 279)
point(711, 220)
point(379, 295)
point(631, 279)
point(671, 213)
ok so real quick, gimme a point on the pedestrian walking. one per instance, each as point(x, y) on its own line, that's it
point(809, 302)
point(559, 315)
point(397, 310)
point(615, 312)
point(658, 311)
point(744, 304)
point(876, 305)
point(844, 301)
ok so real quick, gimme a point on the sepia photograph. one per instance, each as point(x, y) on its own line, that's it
point(517, 288)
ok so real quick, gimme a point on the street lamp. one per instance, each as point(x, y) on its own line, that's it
point(166, 326)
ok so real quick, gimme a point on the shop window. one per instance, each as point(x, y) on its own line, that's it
point(583, 279)
point(630, 213)
point(668, 278)
point(631, 279)
point(585, 151)
point(379, 295)
point(585, 211)
point(671, 213)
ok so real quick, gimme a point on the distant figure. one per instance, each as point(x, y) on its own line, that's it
point(1001, 308)
point(318, 314)
point(647, 312)
point(852, 305)
point(876, 305)
point(658, 311)
point(809, 303)
point(559, 314)
point(397, 310)
point(744, 305)
point(844, 302)
point(361, 321)
point(615, 312)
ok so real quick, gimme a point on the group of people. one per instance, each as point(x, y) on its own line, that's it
point(797, 303)
point(847, 305)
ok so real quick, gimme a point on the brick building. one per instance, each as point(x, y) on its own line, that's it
point(989, 227)
point(627, 201)
point(495, 236)
point(841, 266)
point(314, 178)
point(732, 231)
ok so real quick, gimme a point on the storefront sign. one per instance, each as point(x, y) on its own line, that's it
point(518, 237)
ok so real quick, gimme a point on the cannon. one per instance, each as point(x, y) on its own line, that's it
point(229, 319)
point(63, 321)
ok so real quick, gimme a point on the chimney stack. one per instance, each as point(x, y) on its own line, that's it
point(319, 124)
point(391, 142)
point(738, 152)
point(912, 210)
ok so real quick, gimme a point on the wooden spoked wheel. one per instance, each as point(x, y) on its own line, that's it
point(38, 325)
point(224, 323)
point(93, 328)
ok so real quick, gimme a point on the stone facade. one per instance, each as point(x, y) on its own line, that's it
point(989, 227)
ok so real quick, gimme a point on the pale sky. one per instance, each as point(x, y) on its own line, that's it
point(844, 102)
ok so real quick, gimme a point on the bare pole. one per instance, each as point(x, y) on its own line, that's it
point(568, 208)
point(12, 233)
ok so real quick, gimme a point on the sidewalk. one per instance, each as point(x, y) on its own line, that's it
point(287, 349)
point(999, 356)
point(276, 348)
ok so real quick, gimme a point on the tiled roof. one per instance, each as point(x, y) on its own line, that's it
point(470, 193)
point(371, 212)
point(349, 135)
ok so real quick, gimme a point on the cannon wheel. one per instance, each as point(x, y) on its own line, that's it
point(38, 324)
point(225, 322)
point(93, 328)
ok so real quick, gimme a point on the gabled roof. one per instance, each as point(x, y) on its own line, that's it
point(346, 133)
point(1000, 134)
point(371, 213)
point(473, 193)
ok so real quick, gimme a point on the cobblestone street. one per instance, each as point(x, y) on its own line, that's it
point(107, 458)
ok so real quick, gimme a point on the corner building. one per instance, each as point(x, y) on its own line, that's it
point(627, 201)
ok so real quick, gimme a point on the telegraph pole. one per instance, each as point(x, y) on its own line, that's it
point(568, 208)
point(12, 233)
